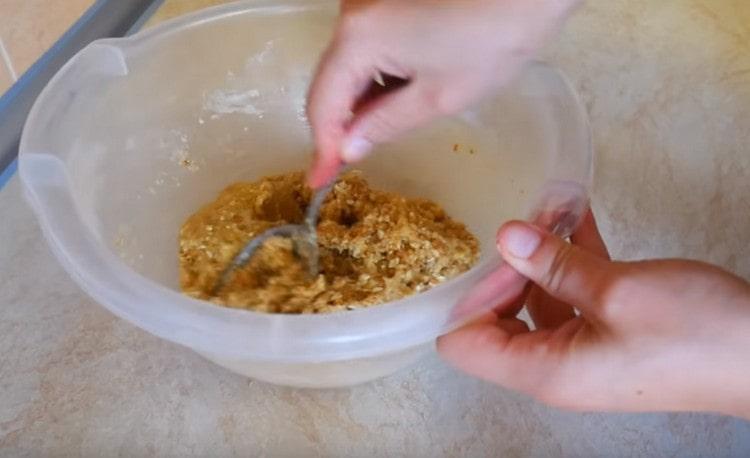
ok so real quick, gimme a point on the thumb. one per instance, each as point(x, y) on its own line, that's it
point(566, 272)
point(387, 117)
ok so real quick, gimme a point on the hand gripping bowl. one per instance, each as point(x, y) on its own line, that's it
point(135, 134)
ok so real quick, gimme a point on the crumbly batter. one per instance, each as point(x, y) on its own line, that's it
point(375, 247)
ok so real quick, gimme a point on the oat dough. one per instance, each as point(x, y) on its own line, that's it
point(375, 247)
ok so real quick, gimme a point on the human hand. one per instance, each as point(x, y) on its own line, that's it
point(448, 52)
point(668, 335)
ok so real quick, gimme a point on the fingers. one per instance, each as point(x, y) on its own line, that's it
point(324, 169)
point(340, 80)
point(504, 352)
point(509, 324)
point(513, 326)
point(501, 289)
point(587, 236)
point(512, 309)
point(546, 311)
point(566, 272)
point(347, 119)
point(388, 117)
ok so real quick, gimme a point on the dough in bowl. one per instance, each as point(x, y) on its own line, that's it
point(375, 247)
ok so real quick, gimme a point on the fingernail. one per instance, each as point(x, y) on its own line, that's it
point(520, 241)
point(355, 149)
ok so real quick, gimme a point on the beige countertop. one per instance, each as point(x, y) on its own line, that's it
point(667, 85)
point(28, 28)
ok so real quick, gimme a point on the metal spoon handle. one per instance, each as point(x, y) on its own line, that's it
point(304, 236)
point(316, 203)
point(244, 256)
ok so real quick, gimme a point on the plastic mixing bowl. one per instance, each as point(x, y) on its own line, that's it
point(135, 134)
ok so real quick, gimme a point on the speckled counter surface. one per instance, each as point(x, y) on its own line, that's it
point(667, 85)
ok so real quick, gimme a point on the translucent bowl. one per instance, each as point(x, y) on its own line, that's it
point(135, 134)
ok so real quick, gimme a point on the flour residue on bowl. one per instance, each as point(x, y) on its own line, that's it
point(233, 98)
point(228, 101)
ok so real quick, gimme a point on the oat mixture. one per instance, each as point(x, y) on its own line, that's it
point(375, 247)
